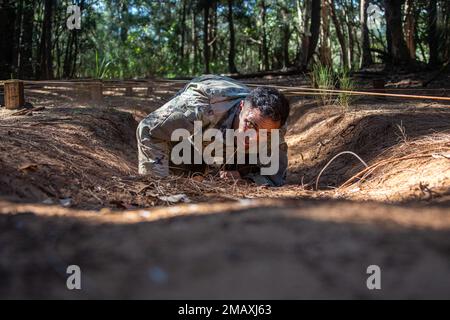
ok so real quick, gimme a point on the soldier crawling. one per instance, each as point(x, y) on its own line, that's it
point(220, 103)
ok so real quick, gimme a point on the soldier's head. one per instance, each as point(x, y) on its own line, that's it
point(264, 108)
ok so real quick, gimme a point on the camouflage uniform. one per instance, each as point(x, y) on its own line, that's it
point(214, 100)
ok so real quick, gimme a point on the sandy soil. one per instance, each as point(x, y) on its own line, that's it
point(70, 194)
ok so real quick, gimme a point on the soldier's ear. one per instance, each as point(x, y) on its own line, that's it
point(241, 105)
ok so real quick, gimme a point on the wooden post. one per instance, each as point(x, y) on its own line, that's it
point(14, 94)
point(149, 91)
point(128, 91)
point(379, 85)
point(80, 91)
point(97, 91)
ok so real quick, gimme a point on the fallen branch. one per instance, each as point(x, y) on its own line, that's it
point(332, 159)
point(26, 111)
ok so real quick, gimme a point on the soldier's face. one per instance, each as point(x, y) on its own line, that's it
point(252, 118)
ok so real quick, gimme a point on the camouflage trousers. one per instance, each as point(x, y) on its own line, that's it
point(153, 155)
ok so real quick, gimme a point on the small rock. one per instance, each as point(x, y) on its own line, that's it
point(145, 214)
point(105, 211)
point(175, 198)
point(47, 201)
point(158, 275)
point(66, 202)
point(245, 202)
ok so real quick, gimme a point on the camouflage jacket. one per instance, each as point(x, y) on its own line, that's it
point(212, 99)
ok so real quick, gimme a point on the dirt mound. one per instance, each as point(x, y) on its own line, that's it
point(85, 157)
point(59, 153)
point(414, 169)
point(322, 132)
point(130, 244)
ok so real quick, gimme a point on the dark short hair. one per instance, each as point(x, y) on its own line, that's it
point(270, 102)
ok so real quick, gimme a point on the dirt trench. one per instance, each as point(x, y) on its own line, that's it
point(86, 157)
point(420, 139)
point(63, 152)
point(69, 194)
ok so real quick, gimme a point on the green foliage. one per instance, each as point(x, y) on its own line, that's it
point(139, 38)
point(345, 83)
point(323, 78)
point(103, 67)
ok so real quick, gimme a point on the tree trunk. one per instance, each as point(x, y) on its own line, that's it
point(300, 29)
point(306, 34)
point(339, 34)
point(45, 49)
point(410, 28)
point(366, 56)
point(213, 31)
point(17, 38)
point(231, 52)
point(26, 46)
point(315, 29)
point(183, 30)
point(351, 39)
point(265, 50)
point(206, 5)
point(124, 21)
point(194, 43)
point(75, 54)
point(325, 46)
point(67, 64)
point(311, 32)
point(446, 32)
point(7, 17)
point(432, 33)
point(286, 36)
point(399, 51)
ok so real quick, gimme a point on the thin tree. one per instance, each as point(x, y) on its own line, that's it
point(398, 50)
point(432, 34)
point(232, 51)
point(366, 56)
point(206, 5)
point(286, 36)
point(183, 30)
point(7, 17)
point(45, 48)
point(311, 23)
point(339, 33)
point(325, 46)
point(26, 42)
point(265, 49)
point(410, 28)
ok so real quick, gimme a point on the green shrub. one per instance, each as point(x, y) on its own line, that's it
point(325, 78)
point(345, 83)
point(322, 78)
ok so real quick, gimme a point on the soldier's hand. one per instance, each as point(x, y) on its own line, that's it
point(230, 175)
